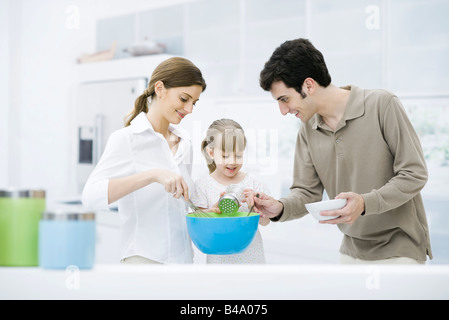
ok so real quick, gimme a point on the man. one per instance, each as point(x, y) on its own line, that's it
point(357, 145)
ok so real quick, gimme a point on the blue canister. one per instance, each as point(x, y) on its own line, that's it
point(67, 238)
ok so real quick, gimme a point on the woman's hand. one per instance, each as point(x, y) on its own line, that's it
point(173, 183)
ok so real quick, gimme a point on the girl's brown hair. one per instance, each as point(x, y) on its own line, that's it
point(174, 72)
point(226, 131)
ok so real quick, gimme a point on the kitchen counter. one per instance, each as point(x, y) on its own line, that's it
point(220, 282)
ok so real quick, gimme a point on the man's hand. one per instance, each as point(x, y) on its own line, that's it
point(355, 206)
point(267, 206)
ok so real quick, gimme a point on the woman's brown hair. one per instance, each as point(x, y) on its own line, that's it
point(174, 72)
point(226, 131)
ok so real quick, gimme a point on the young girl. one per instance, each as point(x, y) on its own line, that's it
point(146, 168)
point(223, 149)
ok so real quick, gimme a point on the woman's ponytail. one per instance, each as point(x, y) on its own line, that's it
point(141, 105)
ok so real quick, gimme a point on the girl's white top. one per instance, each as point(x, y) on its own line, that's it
point(153, 221)
point(206, 194)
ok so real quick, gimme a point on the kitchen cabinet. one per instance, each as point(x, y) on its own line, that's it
point(137, 67)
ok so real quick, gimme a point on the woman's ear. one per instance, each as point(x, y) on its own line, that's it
point(159, 88)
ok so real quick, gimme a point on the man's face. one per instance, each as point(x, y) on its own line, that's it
point(291, 101)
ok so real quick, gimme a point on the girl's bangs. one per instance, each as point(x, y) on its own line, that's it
point(233, 140)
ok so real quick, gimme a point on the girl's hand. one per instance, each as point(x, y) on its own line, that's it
point(215, 208)
point(173, 183)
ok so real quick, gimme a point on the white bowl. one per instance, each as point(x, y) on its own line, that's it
point(316, 207)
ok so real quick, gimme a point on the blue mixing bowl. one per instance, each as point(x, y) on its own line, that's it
point(222, 234)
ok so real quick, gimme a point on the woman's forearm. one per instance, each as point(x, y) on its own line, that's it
point(120, 187)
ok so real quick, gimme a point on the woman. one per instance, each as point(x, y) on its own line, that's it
point(146, 168)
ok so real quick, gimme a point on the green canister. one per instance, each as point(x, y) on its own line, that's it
point(20, 212)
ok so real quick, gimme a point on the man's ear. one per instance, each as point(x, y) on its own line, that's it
point(309, 86)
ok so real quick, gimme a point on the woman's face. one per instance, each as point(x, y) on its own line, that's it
point(177, 102)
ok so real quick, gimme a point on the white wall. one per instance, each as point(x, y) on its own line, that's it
point(4, 91)
point(45, 38)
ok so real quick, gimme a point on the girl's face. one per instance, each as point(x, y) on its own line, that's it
point(228, 163)
point(177, 102)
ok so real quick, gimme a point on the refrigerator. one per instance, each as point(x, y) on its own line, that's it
point(100, 110)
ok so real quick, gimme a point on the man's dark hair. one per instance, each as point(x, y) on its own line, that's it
point(292, 62)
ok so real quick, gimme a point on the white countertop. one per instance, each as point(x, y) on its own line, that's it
point(220, 282)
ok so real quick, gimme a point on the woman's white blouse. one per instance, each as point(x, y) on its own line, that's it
point(153, 221)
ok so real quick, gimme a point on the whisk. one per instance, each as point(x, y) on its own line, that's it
point(200, 213)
